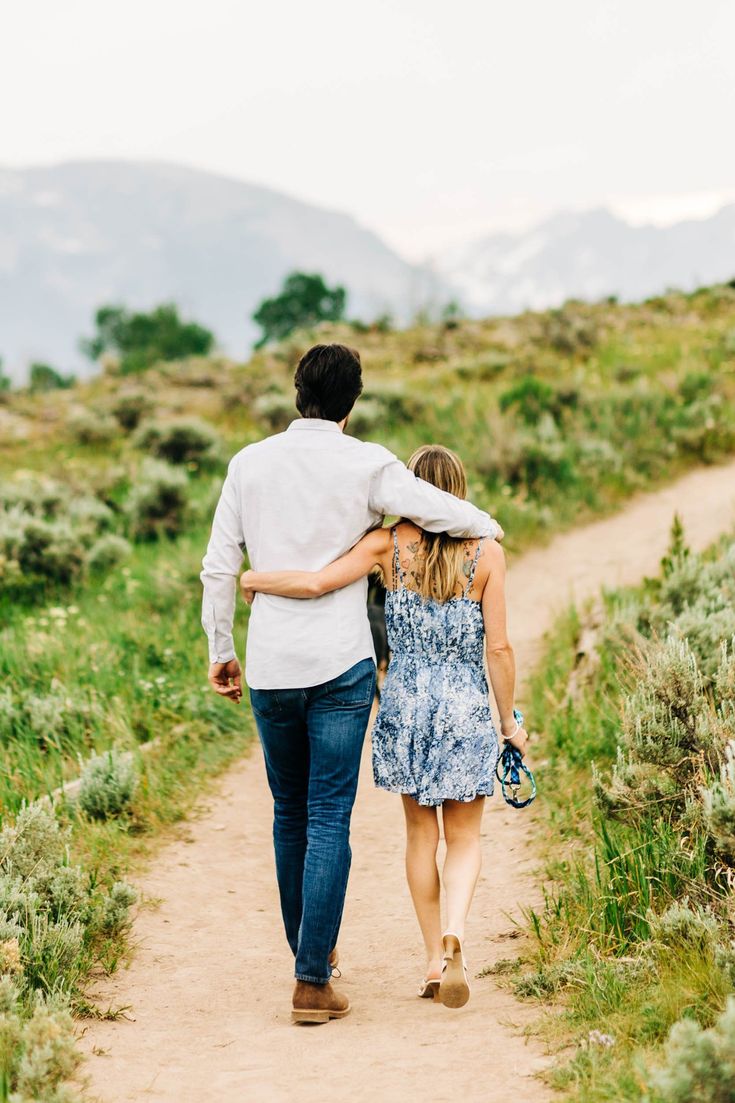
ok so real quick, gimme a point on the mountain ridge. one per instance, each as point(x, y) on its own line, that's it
point(588, 254)
point(82, 233)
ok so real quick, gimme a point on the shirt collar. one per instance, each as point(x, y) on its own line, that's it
point(315, 423)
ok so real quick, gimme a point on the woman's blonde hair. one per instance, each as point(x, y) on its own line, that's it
point(444, 556)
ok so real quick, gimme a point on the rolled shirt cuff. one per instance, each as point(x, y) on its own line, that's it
point(222, 656)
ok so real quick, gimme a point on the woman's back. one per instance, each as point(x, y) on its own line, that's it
point(435, 631)
point(434, 738)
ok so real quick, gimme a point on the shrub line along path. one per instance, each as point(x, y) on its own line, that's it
point(209, 987)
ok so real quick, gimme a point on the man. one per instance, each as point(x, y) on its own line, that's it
point(299, 500)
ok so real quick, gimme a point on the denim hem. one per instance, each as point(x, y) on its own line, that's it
point(311, 980)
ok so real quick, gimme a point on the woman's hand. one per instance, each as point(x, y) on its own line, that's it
point(246, 586)
point(517, 737)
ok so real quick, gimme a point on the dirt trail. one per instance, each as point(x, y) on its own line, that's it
point(210, 985)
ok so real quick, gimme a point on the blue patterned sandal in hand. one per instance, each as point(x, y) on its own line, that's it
point(454, 989)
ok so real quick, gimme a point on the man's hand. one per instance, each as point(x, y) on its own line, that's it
point(245, 590)
point(226, 679)
point(500, 534)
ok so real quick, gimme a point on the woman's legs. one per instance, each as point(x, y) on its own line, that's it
point(422, 840)
point(462, 864)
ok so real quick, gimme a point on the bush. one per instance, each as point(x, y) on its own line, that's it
point(680, 925)
point(698, 1064)
point(531, 397)
point(277, 411)
point(398, 403)
point(719, 807)
point(185, 441)
point(47, 905)
point(93, 428)
point(158, 501)
point(129, 409)
point(366, 416)
point(38, 1051)
point(39, 550)
point(108, 785)
point(47, 719)
point(107, 553)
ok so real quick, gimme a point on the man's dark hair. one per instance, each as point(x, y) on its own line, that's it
point(328, 382)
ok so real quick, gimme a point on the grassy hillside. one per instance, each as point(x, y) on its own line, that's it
point(635, 942)
point(106, 496)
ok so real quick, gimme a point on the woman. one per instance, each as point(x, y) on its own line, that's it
point(433, 741)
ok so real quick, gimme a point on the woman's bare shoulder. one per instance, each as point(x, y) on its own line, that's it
point(490, 561)
point(407, 532)
point(492, 554)
point(378, 541)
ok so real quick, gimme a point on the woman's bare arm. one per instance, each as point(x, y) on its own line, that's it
point(500, 658)
point(358, 562)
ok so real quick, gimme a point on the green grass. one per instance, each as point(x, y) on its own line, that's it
point(604, 949)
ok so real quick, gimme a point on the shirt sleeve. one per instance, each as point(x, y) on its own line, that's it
point(220, 567)
point(395, 491)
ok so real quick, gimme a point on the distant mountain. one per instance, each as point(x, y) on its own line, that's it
point(74, 236)
point(588, 256)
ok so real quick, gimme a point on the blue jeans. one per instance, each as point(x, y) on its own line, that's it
point(312, 741)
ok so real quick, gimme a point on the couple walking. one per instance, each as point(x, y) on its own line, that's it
point(307, 504)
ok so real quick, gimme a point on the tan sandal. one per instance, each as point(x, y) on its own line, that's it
point(454, 989)
point(429, 990)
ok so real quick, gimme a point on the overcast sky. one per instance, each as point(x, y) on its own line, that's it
point(429, 120)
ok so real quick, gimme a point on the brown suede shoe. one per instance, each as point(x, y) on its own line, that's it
point(317, 1003)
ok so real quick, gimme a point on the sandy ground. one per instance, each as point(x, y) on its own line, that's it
point(209, 987)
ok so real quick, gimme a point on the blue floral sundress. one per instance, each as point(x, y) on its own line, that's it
point(434, 737)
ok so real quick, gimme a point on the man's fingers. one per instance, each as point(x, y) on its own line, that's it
point(500, 535)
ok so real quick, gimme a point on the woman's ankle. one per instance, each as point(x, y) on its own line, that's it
point(434, 968)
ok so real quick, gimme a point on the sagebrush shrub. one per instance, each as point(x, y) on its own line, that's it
point(42, 550)
point(130, 407)
point(365, 417)
point(93, 428)
point(186, 440)
point(681, 925)
point(662, 722)
point(277, 411)
point(108, 552)
point(670, 729)
point(116, 912)
point(157, 502)
point(108, 784)
point(719, 807)
point(698, 1064)
point(48, 906)
point(399, 404)
point(38, 1053)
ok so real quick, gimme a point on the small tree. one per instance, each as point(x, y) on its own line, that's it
point(142, 339)
point(5, 381)
point(43, 377)
point(304, 300)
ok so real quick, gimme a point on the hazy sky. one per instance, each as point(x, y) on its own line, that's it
point(430, 120)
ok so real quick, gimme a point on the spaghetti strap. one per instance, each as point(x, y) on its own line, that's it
point(398, 572)
point(473, 568)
